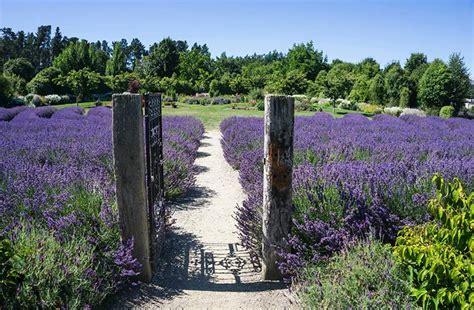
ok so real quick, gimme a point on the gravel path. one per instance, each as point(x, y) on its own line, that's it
point(203, 266)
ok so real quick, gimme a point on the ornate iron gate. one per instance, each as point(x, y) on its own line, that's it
point(154, 166)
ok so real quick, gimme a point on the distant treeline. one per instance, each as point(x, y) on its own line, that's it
point(42, 63)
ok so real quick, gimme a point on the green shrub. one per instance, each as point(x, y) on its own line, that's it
point(369, 108)
point(303, 105)
point(38, 100)
point(18, 84)
point(439, 255)
point(45, 82)
point(220, 100)
point(6, 91)
point(260, 105)
point(256, 94)
point(363, 277)
point(9, 276)
point(446, 111)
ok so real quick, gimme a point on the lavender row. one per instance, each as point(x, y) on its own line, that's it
point(56, 181)
point(352, 176)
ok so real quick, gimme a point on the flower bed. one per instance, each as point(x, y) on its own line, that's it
point(59, 233)
point(353, 177)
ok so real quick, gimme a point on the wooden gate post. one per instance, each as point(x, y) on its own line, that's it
point(277, 182)
point(129, 165)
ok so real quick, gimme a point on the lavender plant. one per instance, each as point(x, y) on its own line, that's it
point(57, 200)
point(352, 177)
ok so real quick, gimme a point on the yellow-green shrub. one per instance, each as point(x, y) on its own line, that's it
point(439, 254)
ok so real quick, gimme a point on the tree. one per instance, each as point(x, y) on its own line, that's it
point(368, 68)
point(404, 97)
point(20, 67)
point(195, 66)
point(377, 90)
point(6, 92)
point(99, 58)
point(82, 82)
point(415, 61)
point(339, 81)
point(319, 87)
point(163, 59)
point(119, 83)
point(290, 83)
point(42, 57)
point(306, 59)
point(434, 88)
point(219, 87)
point(227, 65)
point(79, 55)
point(7, 45)
point(57, 44)
point(45, 82)
point(136, 52)
point(361, 90)
point(414, 68)
point(460, 82)
point(394, 81)
point(118, 62)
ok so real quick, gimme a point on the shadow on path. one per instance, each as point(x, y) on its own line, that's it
point(187, 264)
point(195, 197)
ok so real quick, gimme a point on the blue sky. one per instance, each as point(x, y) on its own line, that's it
point(350, 30)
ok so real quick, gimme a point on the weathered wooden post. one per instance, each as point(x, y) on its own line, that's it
point(277, 182)
point(129, 165)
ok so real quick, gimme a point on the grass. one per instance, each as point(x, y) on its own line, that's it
point(210, 115)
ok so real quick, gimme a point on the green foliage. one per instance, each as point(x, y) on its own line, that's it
point(256, 94)
point(260, 105)
point(58, 270)
point(364, 276)
point(119, 83)
point(20, 67)
point(118, 62)
point(219, 87)
point(83, 82)
point(45, 82)
point(80, 55)
point(439, 255)
point(361, 90)
point(460, 82)
point(17, 83)
point(305, 59)
point(377, 90)
point(414, 67)
point(164, 58)
point(339, 81)
point(291, 83)
point(195, 66)
point(319, 86)
point(404, 97)
point(434, 86)
point(394, 82)
point(9, 276)
point(369, 108)
point(447, 111)
point(415, 61)
point(6, 91)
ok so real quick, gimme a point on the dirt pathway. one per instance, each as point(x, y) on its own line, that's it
point(204, 267)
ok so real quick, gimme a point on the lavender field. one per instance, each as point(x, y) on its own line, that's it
point(354, 178)
point(57, 201)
